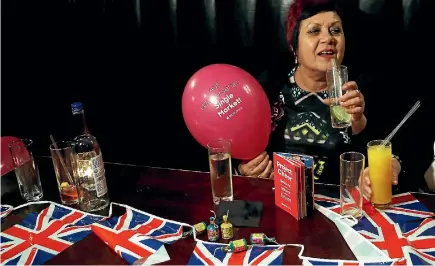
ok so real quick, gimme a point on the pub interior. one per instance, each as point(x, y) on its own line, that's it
point(128, 63)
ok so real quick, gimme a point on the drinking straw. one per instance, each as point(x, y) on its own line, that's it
point(408, 115)
point(336, 76)
point(61, 160)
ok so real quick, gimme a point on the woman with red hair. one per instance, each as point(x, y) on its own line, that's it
point(301, 116)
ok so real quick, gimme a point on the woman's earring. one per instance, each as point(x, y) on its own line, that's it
point(294, 54)
point(296, 57)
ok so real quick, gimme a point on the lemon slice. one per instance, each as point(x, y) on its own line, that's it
point(64, 185)
point(340, 114)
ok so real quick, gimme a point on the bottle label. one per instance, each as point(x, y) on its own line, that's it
point(99, 175)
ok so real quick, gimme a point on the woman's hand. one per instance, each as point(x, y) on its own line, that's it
point(364, 181)
point(260, 167)
point(353, 101)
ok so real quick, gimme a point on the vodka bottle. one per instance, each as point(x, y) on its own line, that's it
point(91, 178)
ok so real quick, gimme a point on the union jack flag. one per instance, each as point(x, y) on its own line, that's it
point(5, 210)
point(41, 236)
point(210, 254)
point(138, 235)
point(401, 231)
point(321, 262)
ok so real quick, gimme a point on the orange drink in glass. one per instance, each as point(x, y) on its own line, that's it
point(380, 171)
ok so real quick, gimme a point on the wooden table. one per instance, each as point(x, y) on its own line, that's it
point(185, 196)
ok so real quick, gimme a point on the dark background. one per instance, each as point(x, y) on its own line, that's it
point(129, 60)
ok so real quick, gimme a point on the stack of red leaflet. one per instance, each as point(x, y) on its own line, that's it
point(294, 183)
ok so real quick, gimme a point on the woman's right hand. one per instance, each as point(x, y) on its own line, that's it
point(260, 167)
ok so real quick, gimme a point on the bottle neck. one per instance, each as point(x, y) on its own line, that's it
point(81, 123)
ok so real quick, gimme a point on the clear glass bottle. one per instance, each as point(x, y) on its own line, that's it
point(91, 178)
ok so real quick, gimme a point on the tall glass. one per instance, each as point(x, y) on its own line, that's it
point(336, 77)
point(221, 174)
point(26, 170)
point(351, 168)
point(65, 177)
point(380, 171)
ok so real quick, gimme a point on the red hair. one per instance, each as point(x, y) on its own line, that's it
point(295, 11)
point(293, 14)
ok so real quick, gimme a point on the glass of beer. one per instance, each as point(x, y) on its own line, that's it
point(380, 171)
point(336, 77)
point(65, 170)
point(351, 168)
point(221, 174)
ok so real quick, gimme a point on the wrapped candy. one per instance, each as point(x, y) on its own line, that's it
point(261, 239)
point(235, 246)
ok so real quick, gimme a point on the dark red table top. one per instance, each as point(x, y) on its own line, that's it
point(185, 196)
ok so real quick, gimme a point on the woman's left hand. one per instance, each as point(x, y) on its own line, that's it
point(364, 180)
point(353, 101)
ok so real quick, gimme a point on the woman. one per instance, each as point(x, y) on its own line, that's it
point(301, 116)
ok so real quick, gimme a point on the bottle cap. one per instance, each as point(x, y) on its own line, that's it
point(211, 219)
point(225, 218)
point(76, 107)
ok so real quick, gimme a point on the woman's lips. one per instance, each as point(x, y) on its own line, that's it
point(327, 53)
point(327, 56)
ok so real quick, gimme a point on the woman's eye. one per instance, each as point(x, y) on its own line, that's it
point(335, 30)
point(311, 31)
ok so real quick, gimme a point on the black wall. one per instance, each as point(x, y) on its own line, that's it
point(128, 62)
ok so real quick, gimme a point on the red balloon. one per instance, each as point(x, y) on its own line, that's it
point(7, 164)
point(222, 101)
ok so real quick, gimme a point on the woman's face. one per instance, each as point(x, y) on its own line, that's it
point(321, 37)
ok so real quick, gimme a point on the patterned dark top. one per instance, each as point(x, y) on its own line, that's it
point(303, 120)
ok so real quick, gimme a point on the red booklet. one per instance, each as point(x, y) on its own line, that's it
point(294, 183)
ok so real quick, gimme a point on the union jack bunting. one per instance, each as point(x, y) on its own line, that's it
point(139, 235)
point(402, 231)
point(321, 262)
point(41, 236)
point(207, 254)
point(5, 210)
